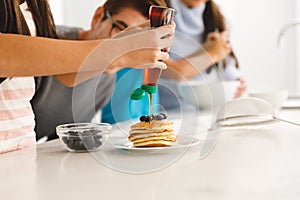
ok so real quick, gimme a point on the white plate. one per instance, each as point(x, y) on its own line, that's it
point(182, 142)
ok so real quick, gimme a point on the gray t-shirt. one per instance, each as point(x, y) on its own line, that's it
point(55, 104)
point(68, 33)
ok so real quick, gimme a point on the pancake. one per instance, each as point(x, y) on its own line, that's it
point(153, 125)
point(160, 143)
point(169, 137)
point(135, 136)
point(157, 133)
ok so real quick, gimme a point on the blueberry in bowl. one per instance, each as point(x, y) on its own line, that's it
point(83, 137)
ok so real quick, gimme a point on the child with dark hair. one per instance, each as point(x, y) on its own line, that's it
point(108, 20)
point(200, 44)
point(22, 57)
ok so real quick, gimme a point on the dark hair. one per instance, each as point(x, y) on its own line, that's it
point(116, 6)
point(168, 2)
point(12, 20)
point(213, 20)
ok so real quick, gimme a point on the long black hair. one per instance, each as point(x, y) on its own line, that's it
point(115, 6)
point(12, 20)
point(214, 20)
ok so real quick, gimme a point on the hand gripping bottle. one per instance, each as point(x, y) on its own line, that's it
point(159, 16)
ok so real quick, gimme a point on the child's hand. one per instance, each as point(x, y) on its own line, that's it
point(217, 46)
point(241, 88)
point(141, 47)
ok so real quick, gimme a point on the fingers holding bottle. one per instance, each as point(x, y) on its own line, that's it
point(144, 36)
point(139, 49)
point(140, 59)
point(151, 38)
point(144, 49)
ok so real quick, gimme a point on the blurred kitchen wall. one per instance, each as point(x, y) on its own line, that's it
point(74, 12)
point(254, 26)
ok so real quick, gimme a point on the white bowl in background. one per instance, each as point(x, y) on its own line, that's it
point(207, 96)
point(276, 98)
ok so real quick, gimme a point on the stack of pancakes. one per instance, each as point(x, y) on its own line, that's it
point(156, 133)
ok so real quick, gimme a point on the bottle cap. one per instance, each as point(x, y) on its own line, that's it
point(137, 94)
point(149, 88)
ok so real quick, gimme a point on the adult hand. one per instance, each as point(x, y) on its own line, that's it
point(141, 47)
point(217, 46)
point(137, 48)
point(241, 88)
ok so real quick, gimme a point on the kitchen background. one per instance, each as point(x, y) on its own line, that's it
point(254, 29)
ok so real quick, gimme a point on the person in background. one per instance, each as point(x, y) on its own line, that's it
point(200, 44)
point(23, 56)
point(108, 20)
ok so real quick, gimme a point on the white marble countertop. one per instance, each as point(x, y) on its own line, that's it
point(261, 163)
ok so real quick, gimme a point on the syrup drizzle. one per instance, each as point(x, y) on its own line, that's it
point(150, 106)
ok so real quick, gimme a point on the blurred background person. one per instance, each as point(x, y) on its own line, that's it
point(201, 43)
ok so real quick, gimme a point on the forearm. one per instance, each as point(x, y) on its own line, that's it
point(179, 70)
point(73, 79)
point(188, 67)
point(36, 56)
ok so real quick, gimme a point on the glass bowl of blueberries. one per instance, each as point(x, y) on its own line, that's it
point(83, 137)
